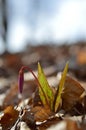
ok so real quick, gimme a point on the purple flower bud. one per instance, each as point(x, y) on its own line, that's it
point(21, 81)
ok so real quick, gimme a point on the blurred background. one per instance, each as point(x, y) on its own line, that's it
point(51, 32)
point(35, 22)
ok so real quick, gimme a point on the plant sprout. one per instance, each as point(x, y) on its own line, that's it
point(46, 94)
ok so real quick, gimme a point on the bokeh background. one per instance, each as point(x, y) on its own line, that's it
point(36, 22)
point(51, 32)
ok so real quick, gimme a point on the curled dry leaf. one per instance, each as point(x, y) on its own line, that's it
point(41, 113)
point(9, 118)
point(71, 94)
point(51, 121)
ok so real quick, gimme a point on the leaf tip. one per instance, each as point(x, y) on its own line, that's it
point(39, 66)
point(67, 64)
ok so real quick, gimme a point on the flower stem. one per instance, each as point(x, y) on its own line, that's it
point(21, 79)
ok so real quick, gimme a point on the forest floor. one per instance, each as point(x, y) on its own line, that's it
point(27, 112)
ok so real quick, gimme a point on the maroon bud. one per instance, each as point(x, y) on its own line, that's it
point(21, 78)
point(21, 81)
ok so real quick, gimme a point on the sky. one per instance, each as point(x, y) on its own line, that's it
point(57, 21)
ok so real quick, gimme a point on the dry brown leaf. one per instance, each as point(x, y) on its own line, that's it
point(52, 121)
point(41, 113)
point(12, 96)
point(9, 118)
point(72, 125)
point(71, 94)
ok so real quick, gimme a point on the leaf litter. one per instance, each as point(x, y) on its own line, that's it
point(47, 106)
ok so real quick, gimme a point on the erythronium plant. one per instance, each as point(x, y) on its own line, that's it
point(48, 98)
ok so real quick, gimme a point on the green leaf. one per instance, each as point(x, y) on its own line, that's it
point(60, 88)
point(45, 91)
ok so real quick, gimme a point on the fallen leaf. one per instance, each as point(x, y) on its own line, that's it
point(41, 113)
point(71, 94)
point(49, 123)
point(72, 125)
point(12, 95)
point(9, 118)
